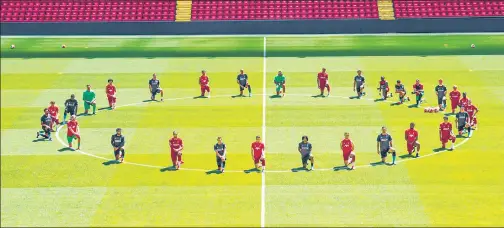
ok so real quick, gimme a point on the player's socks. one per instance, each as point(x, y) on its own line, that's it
point(417, 155)
point(250, 89)
point(122, 157)
point(393, 157)
point(311, 166)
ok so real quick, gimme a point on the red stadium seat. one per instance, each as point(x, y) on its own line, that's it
point(448, 8)
point(86, 10)
point(283, 9)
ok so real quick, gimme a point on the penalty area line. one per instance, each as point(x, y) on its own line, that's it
point(236, 171)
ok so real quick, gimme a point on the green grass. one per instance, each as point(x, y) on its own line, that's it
point(43, 185)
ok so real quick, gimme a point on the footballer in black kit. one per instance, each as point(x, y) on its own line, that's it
point(220, 153)
point(45, 122)
point(462, 122)
point(155, 87)
point(117, 141)
point(242, 80)
point(70, 107)
point(441, 91)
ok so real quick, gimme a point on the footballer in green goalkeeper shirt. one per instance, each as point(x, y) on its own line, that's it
point(280, 83)
point(89, 98)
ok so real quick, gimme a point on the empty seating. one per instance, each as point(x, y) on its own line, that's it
point(283, 9)
point(87, 10)
point(448, 8)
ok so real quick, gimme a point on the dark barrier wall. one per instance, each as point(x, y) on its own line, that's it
point(258, 27)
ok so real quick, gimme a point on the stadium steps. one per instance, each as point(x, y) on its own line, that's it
point(183, 10)
point(386, 10)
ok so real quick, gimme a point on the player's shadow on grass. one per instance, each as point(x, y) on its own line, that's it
point(168, 169)
point(339, 168)
point(439, 149)
point(215, 171)
point(354, 97)
point(318, 96)
point(200, 97)
point(39, 140)
point(379, 99)
point(299, 169)
point(275, 96)
point(253, 170)
point(111, 162)
point(378, 163)
point(64, 149)
point(235, 96)
point(395, 104)
point(149, 101)
point(412, 106)
point(105, 108)
point(406, 156)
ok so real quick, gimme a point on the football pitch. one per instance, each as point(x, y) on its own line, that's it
point(44, 184)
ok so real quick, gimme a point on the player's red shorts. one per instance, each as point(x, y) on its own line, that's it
point(410, 146)
point(111, 99)
point(454, 104)
point(322, 84)
point(257, 158)
point(473, 121)
point(205, 88)
point(174, 156)
point(446, 138)
point(346, 155)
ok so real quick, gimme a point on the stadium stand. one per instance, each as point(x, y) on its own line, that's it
point(282, 9)
point(211, 10)
point(87, 10)
point(448, 8)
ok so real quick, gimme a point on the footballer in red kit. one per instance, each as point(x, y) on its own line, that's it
point(73, 132)
point(54, 112)
point(176, 146)
point(348, 147)
point(411, 137)
point(383, 88)
point(446, 133)
point(204, 82)
point(472, 110)
point(464, 100)
point(323, 82)
point(110, 90)
point(418, 90)
point(257, 152)
point(454, 98)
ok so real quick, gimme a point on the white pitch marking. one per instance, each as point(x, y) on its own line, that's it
point(239, 171)
point(263, 174)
